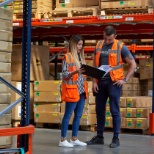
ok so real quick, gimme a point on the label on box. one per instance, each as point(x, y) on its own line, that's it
point(19, 86)
point(19, 111)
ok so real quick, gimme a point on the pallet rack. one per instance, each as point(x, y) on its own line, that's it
point(24, 131)
point(128, 26)
point(91, 27)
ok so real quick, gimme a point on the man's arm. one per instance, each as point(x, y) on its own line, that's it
point(132, 66)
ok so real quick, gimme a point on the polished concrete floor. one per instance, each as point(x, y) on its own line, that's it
point(45, 141)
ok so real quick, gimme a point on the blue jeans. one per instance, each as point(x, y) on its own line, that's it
point(113, 92)
point(77, 107)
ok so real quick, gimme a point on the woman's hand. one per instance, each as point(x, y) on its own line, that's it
point(80, 70)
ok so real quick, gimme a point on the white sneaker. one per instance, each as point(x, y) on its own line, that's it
point(77, 142)
point(65, 144)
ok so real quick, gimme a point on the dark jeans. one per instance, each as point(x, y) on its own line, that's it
point(113, 92)
point(77, 107)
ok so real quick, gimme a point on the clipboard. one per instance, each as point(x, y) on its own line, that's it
point(93, 72)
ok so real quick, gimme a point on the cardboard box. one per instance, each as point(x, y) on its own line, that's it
point(88, 119)
point(75, 3)
point(135, 80)
point(4, 88)
point(39, 63)
point(47, 85)
point(126, 93)
point(139, 102)
point(142, 123)
point(143, 112)
point(123, 112)
point(47, 96)
point(5, 119)
point(108, 113)
point(47, 117)
point(89, 109)
point(5, 67)
point(6, 36)
point(5, 140)
point(4, 106)
point(6, 14)
point(108, 102)
point(62, 107)
point(5, 98)
point(122, 4)
point(136, 87)
point(130, 122)
point(146, 67)
point(131, 112)
point(90, 99)
point(46, 107)
point(6, 76)
point(5, 57)
point(6, 25)
point(122, 102)
point(123, 124)
point(90, 83)
point(16, 111)
point(6, 46)
point(108, 122)
point(127, 86)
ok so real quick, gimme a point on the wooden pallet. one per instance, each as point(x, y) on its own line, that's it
point(126, 10)
point(15, 123)
point(20, 16)
point(69, 12)
point(143, 131)
point(91, 128)
point(48, 125)
point(5, 146)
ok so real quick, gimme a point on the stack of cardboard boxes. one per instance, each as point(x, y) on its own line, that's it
point(38, 7)
point(47, 99)
point(134, 112)
point(5, 71)
point(39, 70)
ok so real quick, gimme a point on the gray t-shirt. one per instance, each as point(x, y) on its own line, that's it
point(105, 52)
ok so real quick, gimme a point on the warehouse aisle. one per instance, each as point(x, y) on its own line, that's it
point(45, 141)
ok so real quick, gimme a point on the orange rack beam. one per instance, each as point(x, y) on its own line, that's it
point(91, 49)
point(29, 130)
point(90, 20)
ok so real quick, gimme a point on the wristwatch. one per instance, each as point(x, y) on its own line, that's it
point(125, 80)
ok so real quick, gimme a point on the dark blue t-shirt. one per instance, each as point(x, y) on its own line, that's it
point(105, 52)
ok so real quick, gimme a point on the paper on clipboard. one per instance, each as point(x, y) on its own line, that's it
point(105, 68)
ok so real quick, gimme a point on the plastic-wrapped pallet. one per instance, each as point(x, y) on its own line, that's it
point(5, 70)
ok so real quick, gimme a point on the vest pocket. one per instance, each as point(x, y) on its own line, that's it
point(72, 91)
point(112, 59)
point(118, 74)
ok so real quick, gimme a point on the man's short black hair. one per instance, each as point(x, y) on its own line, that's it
point(109, 30)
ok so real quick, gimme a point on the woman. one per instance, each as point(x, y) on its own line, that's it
point(74, 90)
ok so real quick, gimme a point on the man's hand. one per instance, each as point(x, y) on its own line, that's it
point(119, 83)
point(95, 87)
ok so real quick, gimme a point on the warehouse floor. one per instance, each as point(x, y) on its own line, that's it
point(45, 141)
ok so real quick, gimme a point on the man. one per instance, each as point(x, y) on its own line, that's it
point(110, 52)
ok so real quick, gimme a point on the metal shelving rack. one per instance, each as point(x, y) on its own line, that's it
point(24, 131)
point(136, 25)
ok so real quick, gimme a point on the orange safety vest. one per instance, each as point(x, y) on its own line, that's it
point(69, 86)
point(114, 59)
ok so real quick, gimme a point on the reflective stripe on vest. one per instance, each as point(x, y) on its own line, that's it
point(117, 52)
point(71, 63)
